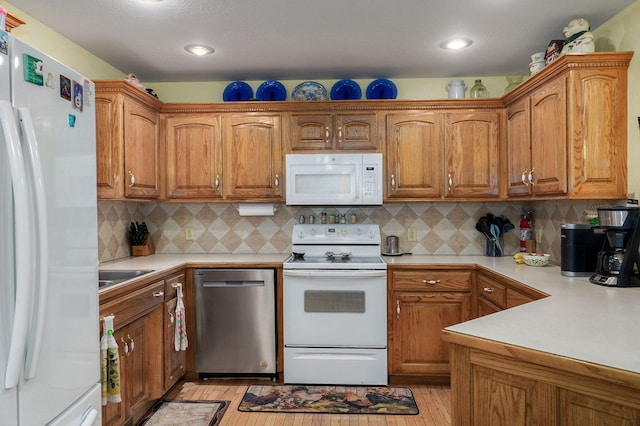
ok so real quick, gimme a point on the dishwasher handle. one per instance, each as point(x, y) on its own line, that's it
point(231, 283)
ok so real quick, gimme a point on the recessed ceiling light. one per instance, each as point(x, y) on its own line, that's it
point(456, 43)
point(199, 49)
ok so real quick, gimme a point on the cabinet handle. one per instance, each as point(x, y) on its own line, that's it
point(340, 134)
point(132, 179)
point(398, 308)
point(524, 177)
point(432, 282)
point(277, 182)
point(171, 319)
point(158, 294)
point(450, 179)
point(393, 182)
point(217, 182)
point(132, 344)
point(530, 176)
point(488, 290)
point(176, 285)
point(125, 346)
point(326, 135)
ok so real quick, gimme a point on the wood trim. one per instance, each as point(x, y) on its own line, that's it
point(546, 360)
point(13, 22)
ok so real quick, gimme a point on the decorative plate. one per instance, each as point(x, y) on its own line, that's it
point(271, 90)
point(345, 90)
point(382, 89)
point(237, 91)
point(309, 91)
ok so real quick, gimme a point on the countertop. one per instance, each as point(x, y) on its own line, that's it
point(579, 320)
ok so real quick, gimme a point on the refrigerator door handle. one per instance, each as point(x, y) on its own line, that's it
point(34, 169)
point(23, 273)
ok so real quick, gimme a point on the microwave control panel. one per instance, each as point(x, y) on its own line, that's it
point(371, 179)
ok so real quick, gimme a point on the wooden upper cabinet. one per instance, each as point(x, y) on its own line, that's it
point(414, 156)
point(252, 148)
point(342, 131)
point(597, 129)
point(127, 142)
point(571, 122)
point(141, 150)
point(472, 153)
point(193, 156)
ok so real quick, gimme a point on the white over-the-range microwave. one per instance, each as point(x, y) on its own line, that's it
point(334, 179)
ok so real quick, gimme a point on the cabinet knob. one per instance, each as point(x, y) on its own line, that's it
point(277, 181)
point(217, 182)
point(132, 179)
point(432, 282)
point(340, 134)
point(398, 308)
point(450, 181)
point(393, 182)
point(488, 290)
point(530, 176)
point(326, 135)
point(524, 176)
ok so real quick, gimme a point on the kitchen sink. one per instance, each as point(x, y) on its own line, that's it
point(111, 277)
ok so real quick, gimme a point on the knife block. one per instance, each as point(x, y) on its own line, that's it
point(144, 250)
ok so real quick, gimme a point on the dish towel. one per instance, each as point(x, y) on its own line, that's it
point(180, 340)
point(110, 363)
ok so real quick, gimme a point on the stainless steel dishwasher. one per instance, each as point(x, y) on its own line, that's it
point(235, 322)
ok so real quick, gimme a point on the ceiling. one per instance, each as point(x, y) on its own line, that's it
point(315, 39)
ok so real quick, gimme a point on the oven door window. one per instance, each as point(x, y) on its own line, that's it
point(352, 302)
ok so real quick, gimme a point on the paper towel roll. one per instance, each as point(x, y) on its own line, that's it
point(256, 209)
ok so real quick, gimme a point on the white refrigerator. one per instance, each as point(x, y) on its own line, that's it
point(49, 325)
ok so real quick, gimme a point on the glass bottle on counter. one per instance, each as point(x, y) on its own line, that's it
point(479, 90)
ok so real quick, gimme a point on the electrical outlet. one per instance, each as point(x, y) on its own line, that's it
point(412, 234)
point(188, 233)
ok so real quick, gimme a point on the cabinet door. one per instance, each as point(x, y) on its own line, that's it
point(576, 409)
point(140, 151)
point(310, 132)
point(472, 142)
point(518, 148)
point(417, 322)
point(194, 157)
point(252, 158)
point(174, 361)
point(137, 371)
point(414, 156)
point(597, 131)
point(356, 132)
point(109, 150)
point(549, 138)
point(117, 414)
point(504, 399)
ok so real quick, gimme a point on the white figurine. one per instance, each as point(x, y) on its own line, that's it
point(578, 37)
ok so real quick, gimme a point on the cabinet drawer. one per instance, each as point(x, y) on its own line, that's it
point(134, 305)
point(428, 280)
point(492, 291)
point(171, 286)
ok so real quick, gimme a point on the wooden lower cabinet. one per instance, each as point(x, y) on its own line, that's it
point(494, 384)
point(495, 293)
point(174, 361)
point(422, 302)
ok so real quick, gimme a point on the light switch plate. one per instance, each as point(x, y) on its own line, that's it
point(412, 234)
point(188, 233)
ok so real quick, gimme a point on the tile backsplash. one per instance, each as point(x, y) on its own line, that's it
point(442, 228)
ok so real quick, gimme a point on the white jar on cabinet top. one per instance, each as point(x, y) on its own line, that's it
point(456, 89)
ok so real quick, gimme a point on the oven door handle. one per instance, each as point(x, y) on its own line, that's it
point(328, 273)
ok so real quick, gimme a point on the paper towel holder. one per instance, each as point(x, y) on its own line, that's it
point(256, 209)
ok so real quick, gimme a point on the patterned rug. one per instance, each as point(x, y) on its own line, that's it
point(185, 413)
point(329, 399)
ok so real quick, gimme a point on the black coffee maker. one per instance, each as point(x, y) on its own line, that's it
point(617, 264)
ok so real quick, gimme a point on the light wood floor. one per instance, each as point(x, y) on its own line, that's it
point(434, 403)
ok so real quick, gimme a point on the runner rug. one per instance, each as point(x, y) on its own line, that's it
point(329, 399)
point(191, 413)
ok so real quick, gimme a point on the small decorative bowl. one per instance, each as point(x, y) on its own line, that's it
point(536, 259)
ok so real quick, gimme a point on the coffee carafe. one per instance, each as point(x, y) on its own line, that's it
point(617, 264)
